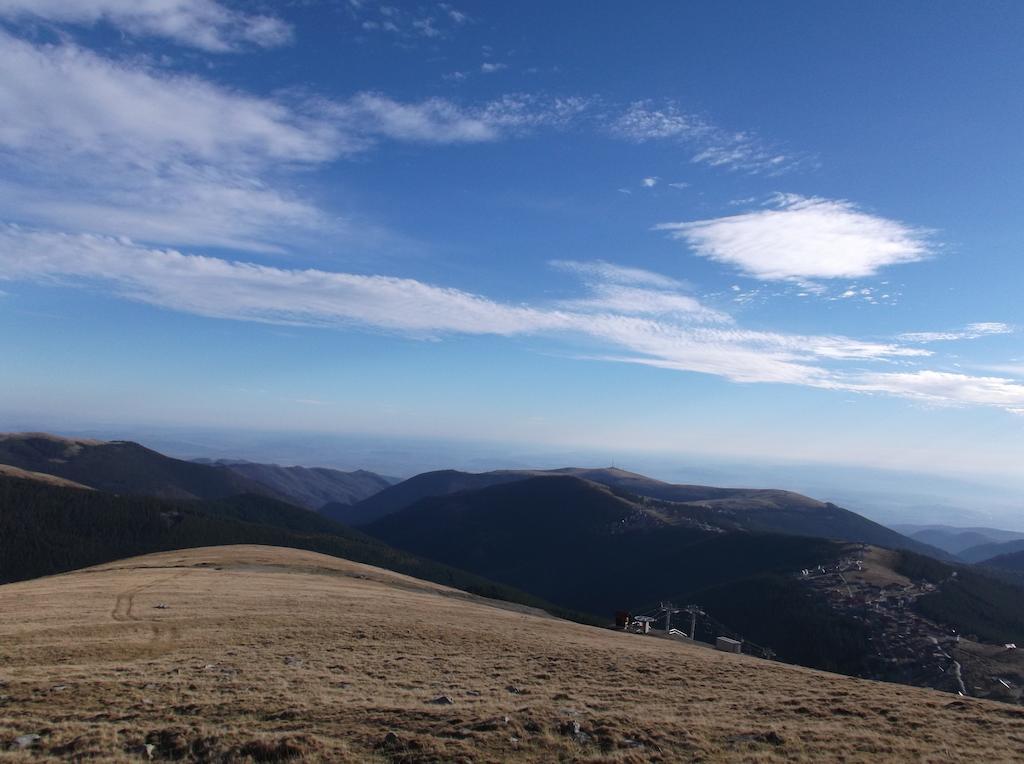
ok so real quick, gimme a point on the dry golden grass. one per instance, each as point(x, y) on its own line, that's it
point(6, 470)
point(265, 654)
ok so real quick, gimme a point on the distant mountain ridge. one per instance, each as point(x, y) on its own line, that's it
point(971, 544)
point(123, 467)
point(985, 552)
point(723, 509)
point(583, 542)
point(309, 487)
point(442, 482)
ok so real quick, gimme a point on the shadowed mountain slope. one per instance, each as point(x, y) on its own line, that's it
point(1012, 561)
point(47, 529)
point(579, 542)
point(122, 467)
point(589, 547)
point(310, 487)
point(761, 510)
point(985, 552)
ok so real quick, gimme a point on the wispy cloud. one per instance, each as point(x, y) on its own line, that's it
point(123, 148)
point(204, 24)
point(408, 22)
point(63, 99)
point(803, 239)
point(970, 332)
point(644, 121)
point(940, 387)
point(620, 312)
point(600, 270)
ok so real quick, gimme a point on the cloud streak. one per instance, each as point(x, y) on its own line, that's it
point(203, 24)
point(628, 314)
point(970, 332)
point(646, 121)
point(121, 148)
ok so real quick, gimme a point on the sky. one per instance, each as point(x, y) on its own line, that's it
point(741, 230)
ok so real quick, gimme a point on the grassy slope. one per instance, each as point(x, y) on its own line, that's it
point(273, 654)
point(46, 529)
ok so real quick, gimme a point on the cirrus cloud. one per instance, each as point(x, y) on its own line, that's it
point(970, 332)
point(676, 335)
point(204, 24)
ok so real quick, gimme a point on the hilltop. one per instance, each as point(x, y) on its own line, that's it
point(121, 466)
point(708, 507)
point(256, 653)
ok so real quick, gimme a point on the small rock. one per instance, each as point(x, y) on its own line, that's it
point(160, 606)
point(442, 700)
point(149, 748)
point(391, 742)
point(474, 693)
point(514, 690)
point(570, 728)
point(291, 660)
point(24, 741)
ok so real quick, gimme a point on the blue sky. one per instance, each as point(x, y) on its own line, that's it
point(735, 229)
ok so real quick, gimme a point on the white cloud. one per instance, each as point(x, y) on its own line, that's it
point(488, 67)
point(673, 335)
point(412, 22)
point(803, 239)
point(627, 300)
point(204, 24)
point(221, 288)
point(180, 204)
point(435, 120)
point(635, 292)
point(970, 332)
point(649, 182)
point(599, 270)
point(644, 121)
point(63, 99)
point(946, 388)
point(117, 147)
point(111, 147)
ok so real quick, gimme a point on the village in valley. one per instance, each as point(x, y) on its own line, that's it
point(910, 648)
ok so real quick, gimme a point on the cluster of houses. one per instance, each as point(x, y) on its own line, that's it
point(908, 648)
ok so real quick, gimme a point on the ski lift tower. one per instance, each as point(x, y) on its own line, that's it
point(668, 609)
point(694, 611)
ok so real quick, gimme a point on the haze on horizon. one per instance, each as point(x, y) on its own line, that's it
point(711, 229)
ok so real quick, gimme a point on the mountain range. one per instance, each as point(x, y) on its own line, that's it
point(707, 507)
point(580, 542)
point(309, 487)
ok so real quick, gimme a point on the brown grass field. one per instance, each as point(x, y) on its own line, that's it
point(267, 654)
